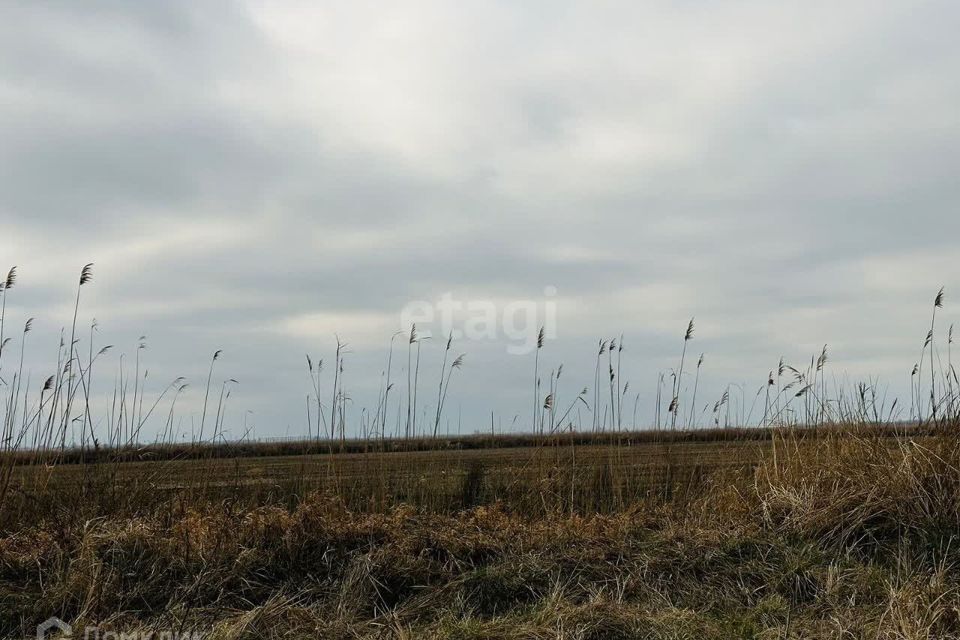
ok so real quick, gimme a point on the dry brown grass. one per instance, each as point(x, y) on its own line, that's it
point(841, 537)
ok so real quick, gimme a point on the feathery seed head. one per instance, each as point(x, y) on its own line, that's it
point(11, 278)
point(86, 274)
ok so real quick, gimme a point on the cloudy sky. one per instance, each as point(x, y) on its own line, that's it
point(257, 177)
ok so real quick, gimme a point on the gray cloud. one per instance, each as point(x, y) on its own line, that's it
point(238, 172)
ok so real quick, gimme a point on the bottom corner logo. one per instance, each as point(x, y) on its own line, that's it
point(51, 626)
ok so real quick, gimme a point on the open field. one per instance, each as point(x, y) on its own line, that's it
point(428, 478)
point(842, 535)
point(372, 476)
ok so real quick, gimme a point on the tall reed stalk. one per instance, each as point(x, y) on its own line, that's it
point(536, 381)
point(410, 415)
point(675, 402)
point(693, 401)
point(206, 395)
point(937, 304)
point(86, 275)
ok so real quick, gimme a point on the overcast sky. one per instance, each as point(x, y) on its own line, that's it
point(255, 177)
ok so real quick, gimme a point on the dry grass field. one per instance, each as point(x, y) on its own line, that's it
point(845, 534)
point(432, 479)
